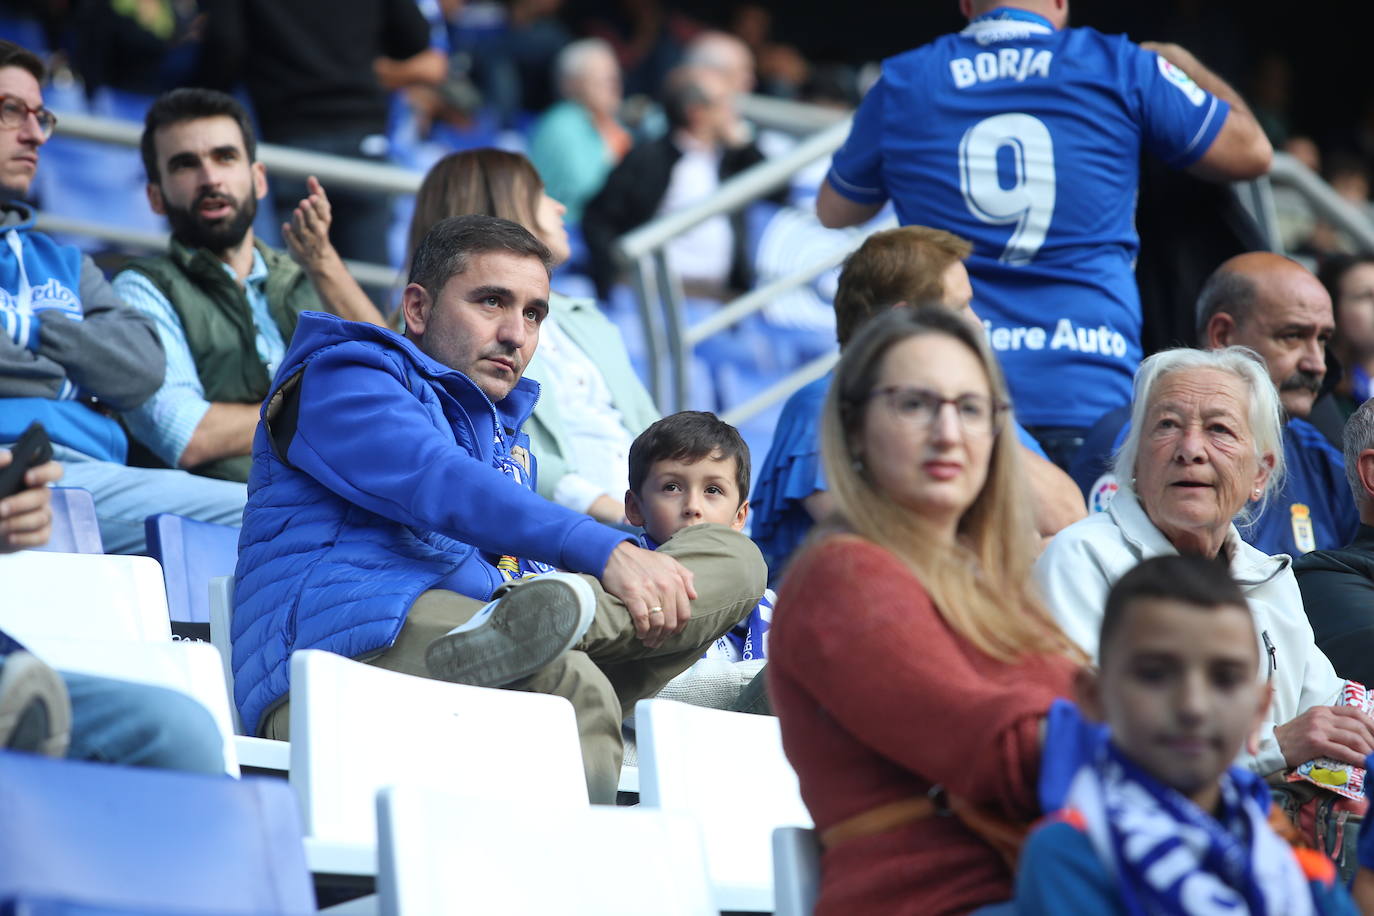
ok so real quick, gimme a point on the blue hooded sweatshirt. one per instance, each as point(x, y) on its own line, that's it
point(398, 476)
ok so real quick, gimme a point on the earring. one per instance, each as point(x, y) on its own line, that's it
point(857, 464)
point(1258, 493)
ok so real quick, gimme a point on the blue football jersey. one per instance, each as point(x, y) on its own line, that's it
point(1026, 141)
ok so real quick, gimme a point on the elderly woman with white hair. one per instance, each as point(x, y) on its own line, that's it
point(577, 142)
point(1205, 449)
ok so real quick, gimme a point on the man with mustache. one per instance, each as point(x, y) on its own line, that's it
point(225, 304)
point(1276, 307)
point(393, 492)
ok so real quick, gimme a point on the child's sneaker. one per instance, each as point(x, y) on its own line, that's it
point(514, 636)
point(35, 712)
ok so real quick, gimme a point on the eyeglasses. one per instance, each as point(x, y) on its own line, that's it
point(14, 111)
point(920, 407)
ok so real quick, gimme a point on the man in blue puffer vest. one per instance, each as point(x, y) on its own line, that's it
point(392, 493)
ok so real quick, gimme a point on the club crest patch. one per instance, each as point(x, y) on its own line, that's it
point(1103, 489)
point(1303, 535)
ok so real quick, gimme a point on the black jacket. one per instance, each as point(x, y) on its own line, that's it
point(632, 195)
point(1338, 594)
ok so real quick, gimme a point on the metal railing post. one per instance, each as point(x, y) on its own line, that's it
point(646, 289)
point(679, 352)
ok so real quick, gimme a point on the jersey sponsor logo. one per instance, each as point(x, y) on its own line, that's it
point(1103, 492)
point(1018, 64)
point(1304, 536)
point(1195, 93)
point(1065, 336)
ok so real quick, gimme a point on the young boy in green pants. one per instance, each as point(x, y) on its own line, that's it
point(687, 469)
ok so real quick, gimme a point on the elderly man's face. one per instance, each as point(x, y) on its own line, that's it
point(1197, 466)
point(1290, 325)
point(597, 85)
point(485, 320)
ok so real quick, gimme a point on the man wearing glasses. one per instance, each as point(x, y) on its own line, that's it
point(72, 353)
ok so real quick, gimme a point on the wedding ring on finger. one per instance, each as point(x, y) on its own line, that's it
point(657, 609)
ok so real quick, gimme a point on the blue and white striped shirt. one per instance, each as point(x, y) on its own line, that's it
point(167, 420)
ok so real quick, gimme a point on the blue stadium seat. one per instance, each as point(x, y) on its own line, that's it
point(147, 841)
point(191, 553)
point(74, 525)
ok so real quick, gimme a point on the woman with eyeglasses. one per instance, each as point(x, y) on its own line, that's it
point(912, 665)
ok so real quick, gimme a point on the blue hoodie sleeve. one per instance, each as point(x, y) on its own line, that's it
point(366, 437)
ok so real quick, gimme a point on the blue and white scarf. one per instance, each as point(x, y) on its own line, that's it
point(1171, 857)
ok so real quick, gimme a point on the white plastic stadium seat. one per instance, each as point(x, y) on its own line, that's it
point(191, 668)
point(260, 753)
point(83, 596)
point(796, 871)
point(728, 770)
point(356, 728)
point(444, 855)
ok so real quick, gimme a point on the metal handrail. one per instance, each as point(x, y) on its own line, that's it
point(797, 118)
point(366, 274)
point(284, 160)
point(641, 252)
point(744, 188)
point(1325, 202)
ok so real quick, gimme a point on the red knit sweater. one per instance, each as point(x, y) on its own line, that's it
point(879, 699)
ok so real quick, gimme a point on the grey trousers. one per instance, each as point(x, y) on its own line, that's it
point(609, 669)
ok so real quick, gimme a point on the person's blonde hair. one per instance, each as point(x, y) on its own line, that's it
point(895, 265)
point(981, 584)
point(489, 182)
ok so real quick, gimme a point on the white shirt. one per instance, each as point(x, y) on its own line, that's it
point(704, 253)
point(596, 431)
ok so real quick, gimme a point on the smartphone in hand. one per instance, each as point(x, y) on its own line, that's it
point(33, 448)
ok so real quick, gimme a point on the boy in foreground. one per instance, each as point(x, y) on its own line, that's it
point(687, 469)
point(1159, 821)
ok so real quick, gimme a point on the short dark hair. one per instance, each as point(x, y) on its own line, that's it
point(191, 104)
point(445, 249)
point(1195, 581)
point(13, 55)
point(1228, 291)
point(690, 435)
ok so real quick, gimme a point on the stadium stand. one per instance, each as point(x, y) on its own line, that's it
point(692, 771)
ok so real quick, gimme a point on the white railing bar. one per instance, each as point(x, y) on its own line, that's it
point(283, 161)
point(796, 118)
point(737, 310)
point(743, 189)
point(780, 390)
point(367, 274)
point(1327, 204)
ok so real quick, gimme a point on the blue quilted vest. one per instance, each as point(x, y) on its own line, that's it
point(318, 572)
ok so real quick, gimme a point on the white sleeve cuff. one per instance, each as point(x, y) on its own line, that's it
point(577, 493)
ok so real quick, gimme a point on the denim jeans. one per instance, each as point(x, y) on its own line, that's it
point(125, 496)
point(141, 725)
